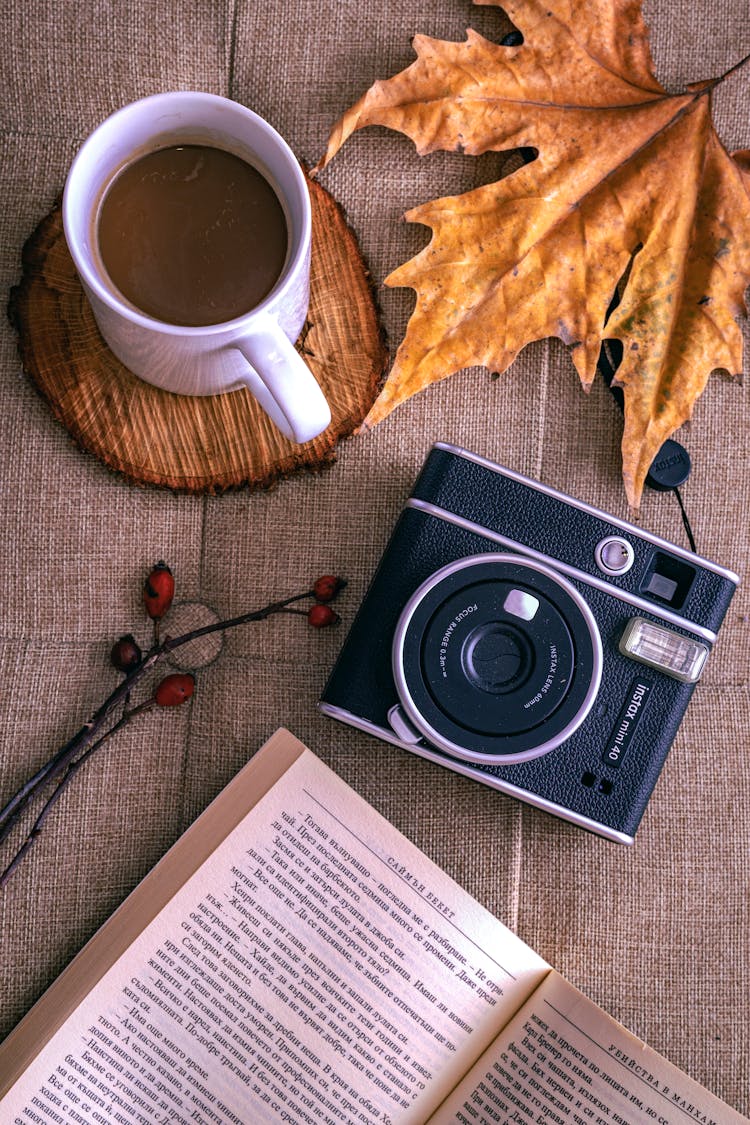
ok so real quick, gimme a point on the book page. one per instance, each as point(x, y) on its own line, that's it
point(562, 1059)
point(316, 967)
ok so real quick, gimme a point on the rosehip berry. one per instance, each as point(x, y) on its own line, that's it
point(321, 616)
point(125, 654)
point(175, 689)
point(158, 591)
point(327, 587)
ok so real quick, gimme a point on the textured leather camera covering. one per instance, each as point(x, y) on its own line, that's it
point(562, 531)
point(362, 683)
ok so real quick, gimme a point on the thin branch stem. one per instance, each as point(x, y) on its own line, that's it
point(732, 70)
point(69, 759)
point(59, 762)
point(255, 615)
point(70, 772)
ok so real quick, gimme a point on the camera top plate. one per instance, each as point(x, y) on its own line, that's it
point(520, 514)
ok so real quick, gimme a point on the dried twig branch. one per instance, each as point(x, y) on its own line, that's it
point(67, 761)
point(62, 784)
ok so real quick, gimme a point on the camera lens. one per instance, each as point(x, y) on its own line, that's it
point(496, 658)
point(487, 666)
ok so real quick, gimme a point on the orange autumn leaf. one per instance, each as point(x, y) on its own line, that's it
point(627, 178)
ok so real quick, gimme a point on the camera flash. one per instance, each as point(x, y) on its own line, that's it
point(678, 656)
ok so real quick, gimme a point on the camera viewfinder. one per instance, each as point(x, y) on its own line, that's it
point(668, 580)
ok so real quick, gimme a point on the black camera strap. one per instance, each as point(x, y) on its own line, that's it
point(671, 466)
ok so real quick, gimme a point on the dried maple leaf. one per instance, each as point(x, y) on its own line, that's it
point(627, 177)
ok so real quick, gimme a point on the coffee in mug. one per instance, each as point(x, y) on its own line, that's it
point(189, 222)
point(192, 235)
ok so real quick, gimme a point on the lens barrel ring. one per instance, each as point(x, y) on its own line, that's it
point(496, 659)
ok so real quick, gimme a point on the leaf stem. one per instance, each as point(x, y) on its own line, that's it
point(727, 73)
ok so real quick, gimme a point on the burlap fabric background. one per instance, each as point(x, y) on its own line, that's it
point(658, 934)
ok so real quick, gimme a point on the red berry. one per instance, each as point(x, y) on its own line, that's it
point(125, 654)
point(158, 591)
point(327, 587)
point(321, 616)
point(175, 689)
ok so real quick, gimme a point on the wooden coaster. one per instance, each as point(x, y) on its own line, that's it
point(193, 444)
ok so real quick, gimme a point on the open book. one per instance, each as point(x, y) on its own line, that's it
point(294, 958)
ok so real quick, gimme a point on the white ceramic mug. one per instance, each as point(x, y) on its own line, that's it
point(255, 350)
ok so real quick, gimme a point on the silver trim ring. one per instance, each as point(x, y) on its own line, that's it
point(625, 561)
point(399, 675)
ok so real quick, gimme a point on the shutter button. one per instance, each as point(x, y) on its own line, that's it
point(614, 555)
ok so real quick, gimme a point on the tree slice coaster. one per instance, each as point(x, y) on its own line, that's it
point(197, 444)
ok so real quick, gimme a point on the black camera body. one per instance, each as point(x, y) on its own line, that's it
point(529, 641)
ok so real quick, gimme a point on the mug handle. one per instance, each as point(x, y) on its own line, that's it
point(282, 382)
